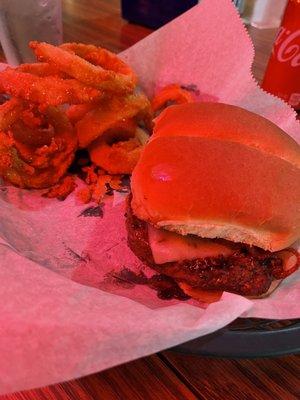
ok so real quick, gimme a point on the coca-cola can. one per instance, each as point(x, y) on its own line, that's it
point(282, 76)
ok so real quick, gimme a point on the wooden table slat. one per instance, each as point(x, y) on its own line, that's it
point(146, 378)
point(246, 379)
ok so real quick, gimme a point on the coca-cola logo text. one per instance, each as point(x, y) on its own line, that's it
point(287, 47)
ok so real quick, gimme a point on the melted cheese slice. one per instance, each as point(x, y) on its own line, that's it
point(169, 246)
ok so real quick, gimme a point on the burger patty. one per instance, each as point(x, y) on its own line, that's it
point(248, 271)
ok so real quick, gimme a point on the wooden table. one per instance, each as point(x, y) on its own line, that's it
point(168, 375)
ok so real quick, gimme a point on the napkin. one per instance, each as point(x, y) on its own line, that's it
point(64, 310)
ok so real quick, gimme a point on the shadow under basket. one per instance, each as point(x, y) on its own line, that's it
point(248, 338)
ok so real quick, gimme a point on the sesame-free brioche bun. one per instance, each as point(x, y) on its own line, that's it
point(230, 123)
point(218, 171)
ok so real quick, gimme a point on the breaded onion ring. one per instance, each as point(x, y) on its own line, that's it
point(36, 162)
point(119, 158)
point(101, 57)
point(121, 130)
point(84, 71)
point(9, 112)
point(77, 111)
point(96, 122)
point(50, 90)
point(40, 69)
point(172, 93)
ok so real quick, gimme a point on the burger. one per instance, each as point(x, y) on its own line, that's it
point(215, 201)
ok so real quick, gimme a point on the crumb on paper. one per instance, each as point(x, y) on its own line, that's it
point(100, 188)
point(62, 189)
point(91, 174)
point(99, 184)
point(84, 195)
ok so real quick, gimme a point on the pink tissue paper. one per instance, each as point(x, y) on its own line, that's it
point(62, 313)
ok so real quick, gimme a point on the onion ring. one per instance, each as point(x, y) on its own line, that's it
point(96, 122)
point(119, 158)
point(32, 137)
point(121, 130)
point(40, 165)
point(9, 112)
point(172, 93)
point(101, 57)
point(81, 69)
point(49, 90)
point(40, 69)
point(77, 111)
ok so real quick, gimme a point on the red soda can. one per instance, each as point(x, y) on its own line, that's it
point(282, 76)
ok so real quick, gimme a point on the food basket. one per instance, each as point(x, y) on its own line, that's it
point(248, 338)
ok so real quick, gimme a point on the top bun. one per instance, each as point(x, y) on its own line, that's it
point(219, 171)
point(230, 123)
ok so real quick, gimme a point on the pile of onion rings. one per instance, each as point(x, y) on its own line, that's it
point(74, 93)
point(115, 115)
point(75, 96)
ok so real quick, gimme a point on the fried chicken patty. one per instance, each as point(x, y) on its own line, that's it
point(248, 271)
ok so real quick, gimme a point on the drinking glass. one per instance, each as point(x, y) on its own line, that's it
point(25, 20)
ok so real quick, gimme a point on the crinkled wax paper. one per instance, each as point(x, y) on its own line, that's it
point(63, 315)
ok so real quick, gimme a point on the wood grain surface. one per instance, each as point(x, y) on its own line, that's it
point(219, 379)
point(167, 375)
point(99, 22)
point(147, 378)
